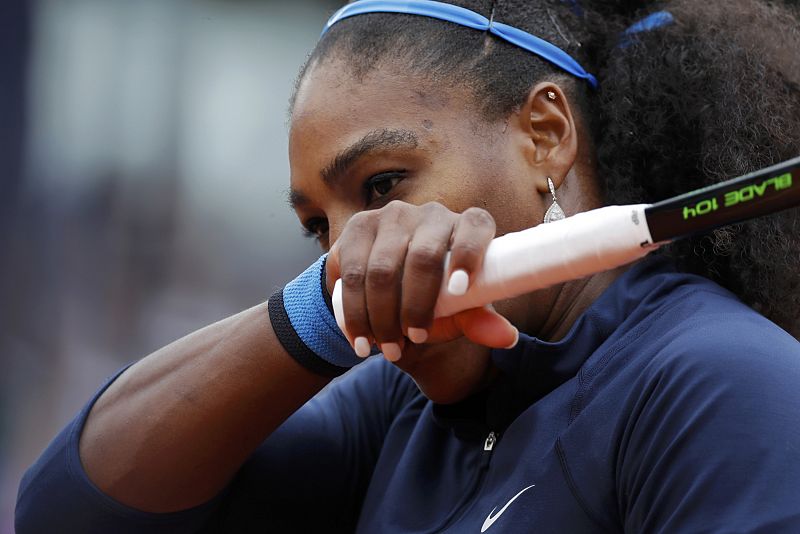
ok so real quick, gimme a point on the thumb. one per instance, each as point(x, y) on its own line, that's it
point(483, 326)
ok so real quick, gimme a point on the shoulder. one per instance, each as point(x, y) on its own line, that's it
point(709, 335)
point(686, 327)
point(716, 370)
point(698, 341)
point(715, 405)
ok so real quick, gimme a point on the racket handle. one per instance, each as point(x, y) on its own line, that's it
point(546, 255)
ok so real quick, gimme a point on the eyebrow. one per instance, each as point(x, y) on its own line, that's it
point(374, 141)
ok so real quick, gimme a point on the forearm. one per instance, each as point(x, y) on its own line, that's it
point(174, 428)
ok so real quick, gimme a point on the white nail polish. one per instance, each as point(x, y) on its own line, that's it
point(391, 351)
point(417, 335)
point(361, 346)
point(459, 282)
point(516, 340)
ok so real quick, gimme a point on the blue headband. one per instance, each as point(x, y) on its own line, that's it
point(470, 19)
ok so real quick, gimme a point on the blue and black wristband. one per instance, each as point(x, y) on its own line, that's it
point(302, 317)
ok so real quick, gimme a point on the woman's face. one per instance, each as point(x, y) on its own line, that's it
point(356, 145)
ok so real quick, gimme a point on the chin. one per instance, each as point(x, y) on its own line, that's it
point(449, 372)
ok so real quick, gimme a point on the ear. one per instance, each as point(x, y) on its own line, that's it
point(546, 118)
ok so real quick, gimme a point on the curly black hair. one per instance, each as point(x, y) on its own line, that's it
point(712, 95)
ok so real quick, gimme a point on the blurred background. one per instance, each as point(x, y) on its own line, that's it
point(143, 172)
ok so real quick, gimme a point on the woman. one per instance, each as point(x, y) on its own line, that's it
point(642, 399)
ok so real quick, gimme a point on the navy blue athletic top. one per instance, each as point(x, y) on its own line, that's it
point(669, 407)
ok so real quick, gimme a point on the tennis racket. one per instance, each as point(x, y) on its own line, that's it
point(609, 237)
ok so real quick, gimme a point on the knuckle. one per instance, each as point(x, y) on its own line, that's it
point(436, 211)
point(468, 250)
point(396, 208)
point(478, 217)
point(353, 276)
point(394, 214)
point(381, 275)
point(361, 220)
point(433, 207)
point(426, 258)
point(395, 205)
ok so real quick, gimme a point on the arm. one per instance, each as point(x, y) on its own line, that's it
point(184, 415)
point(171, 432)
point(322, 456)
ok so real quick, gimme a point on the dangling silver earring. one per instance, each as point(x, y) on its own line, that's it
point(554, 212)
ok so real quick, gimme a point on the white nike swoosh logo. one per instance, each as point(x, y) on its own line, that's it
point(490, 520)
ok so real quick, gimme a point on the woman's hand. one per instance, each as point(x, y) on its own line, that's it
point(391, 262)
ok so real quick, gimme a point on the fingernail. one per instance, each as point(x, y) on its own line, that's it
point(516, 340)
point(391, 351)
point(361, 346)
point(459, 282)
point(417, 335)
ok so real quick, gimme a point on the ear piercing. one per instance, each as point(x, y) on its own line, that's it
point(551, 95)
point(554, 212)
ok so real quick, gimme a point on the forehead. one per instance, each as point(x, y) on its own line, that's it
point(330, 89)
point(334, 110)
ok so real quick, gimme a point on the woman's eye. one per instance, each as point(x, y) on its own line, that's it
point(382, 184)
point(315, 229)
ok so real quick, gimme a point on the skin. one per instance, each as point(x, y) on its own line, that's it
point(172, 431)
point(463, 181)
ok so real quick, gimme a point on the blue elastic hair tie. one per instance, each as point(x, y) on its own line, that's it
point(470, 19)
point(649, 23)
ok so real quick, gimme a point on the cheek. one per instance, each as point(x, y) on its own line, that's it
point(500, 187)
point(513, 206)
